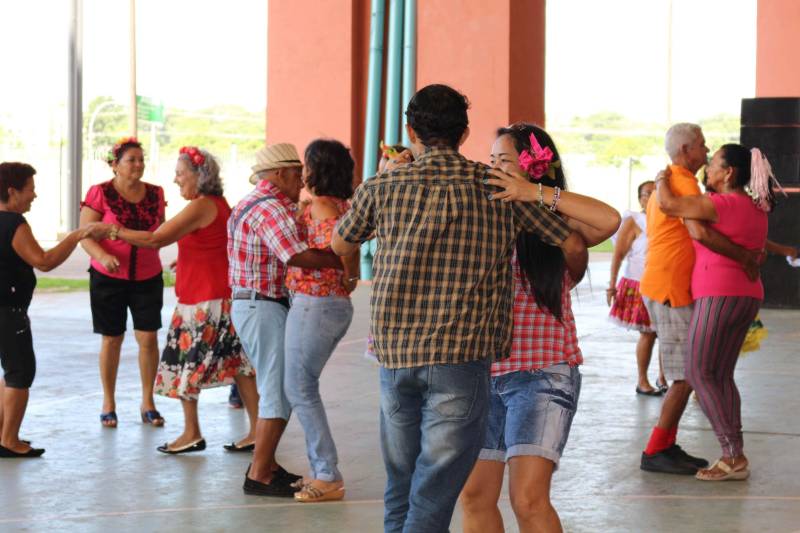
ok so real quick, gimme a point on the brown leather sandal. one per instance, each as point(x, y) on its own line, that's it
point(729, 474)
point(311, 494)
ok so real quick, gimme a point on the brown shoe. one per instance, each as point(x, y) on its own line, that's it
point(311, 494)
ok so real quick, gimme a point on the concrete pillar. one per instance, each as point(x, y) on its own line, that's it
point(493, 54)
point(317, 65)
point(777, 71)
point(318, 53)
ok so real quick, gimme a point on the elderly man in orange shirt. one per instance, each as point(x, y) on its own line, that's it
point(666, 289)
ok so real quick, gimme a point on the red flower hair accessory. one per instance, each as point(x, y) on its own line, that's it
point(111, 156)
point(536, 160)
point(194, 154)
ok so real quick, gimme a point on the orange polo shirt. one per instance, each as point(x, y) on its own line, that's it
point(670, 254)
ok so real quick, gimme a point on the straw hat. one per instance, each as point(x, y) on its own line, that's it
point(283, 155)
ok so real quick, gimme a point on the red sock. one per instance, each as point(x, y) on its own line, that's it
point(659, 441)
point(673, 435)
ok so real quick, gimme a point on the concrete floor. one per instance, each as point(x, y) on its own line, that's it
point(95, 479)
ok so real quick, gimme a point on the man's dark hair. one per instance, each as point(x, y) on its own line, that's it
point(14, 176)
point(438, 115)
point(330, 168)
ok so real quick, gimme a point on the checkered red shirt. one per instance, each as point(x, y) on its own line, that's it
point(262, 237)
point(539, 339)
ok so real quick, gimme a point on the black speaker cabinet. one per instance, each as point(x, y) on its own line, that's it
point(773, 125)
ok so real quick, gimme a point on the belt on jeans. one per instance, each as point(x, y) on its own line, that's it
point(248, 295)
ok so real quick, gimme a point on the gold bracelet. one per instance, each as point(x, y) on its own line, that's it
point(112, 235)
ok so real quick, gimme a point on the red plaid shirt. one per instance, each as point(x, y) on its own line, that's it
point(262, 237)
point(539, 339)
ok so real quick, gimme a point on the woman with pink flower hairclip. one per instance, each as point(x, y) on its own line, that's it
point(534, 393)
point(202, 348)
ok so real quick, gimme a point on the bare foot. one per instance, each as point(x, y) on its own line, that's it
point(17, 447)
point(247, 441)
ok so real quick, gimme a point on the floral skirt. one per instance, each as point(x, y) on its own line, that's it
point(628, 309)
point(202, 351)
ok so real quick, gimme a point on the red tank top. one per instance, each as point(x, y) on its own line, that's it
point(202, 272)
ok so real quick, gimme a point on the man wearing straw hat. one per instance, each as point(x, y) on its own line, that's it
point(262, 240)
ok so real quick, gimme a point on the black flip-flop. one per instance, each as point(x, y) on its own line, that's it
point(232, 447)
point(11, 454)
point(197, 446)
point(654, 392)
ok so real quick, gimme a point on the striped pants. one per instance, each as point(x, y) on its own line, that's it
point(716, 333)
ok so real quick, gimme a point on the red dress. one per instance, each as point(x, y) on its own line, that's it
point(202, 349)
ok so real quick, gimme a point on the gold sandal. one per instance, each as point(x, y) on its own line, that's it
point(311, 494)
point(729, 474)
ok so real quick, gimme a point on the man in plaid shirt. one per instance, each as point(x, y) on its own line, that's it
point(262, 241)
point(441, 305)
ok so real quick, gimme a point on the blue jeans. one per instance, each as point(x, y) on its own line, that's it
point(433, 420)
point(314, 327)
point(261, 326)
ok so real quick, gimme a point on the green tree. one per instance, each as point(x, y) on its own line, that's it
point(610, 137)
point(721, 129)
point(110, 123)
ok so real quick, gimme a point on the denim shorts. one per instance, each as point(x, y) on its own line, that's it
point(530, 413)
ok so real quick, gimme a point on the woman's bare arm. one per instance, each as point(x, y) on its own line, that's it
point(198, 214)
point(627, 234)
point(28, 248)
point(595, 220)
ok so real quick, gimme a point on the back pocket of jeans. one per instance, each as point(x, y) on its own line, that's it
point(454, 390)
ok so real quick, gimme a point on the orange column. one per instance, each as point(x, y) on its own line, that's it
point(318, 57)
point(493, 53)
point(316, 64)
point(778, 42)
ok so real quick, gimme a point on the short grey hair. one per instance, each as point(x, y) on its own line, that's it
point(678, 135)
point(209, 181)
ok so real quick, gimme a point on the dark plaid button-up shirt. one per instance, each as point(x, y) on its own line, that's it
point(442, 287)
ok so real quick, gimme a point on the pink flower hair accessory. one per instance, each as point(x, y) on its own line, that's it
point(536, 160)
point(761, 177)
point(195, 156)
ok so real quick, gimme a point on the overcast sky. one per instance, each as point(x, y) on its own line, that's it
point(601, 55)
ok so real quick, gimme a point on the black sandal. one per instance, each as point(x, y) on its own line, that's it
point(109, 419)
point(153, 418)
point(11, 454)
point(196, 446)
point(232, 447)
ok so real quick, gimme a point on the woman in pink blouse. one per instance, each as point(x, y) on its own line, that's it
point(123, 276)
point(725, 300)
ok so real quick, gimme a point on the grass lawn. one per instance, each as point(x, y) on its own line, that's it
point(605, 246)
point(66, 285)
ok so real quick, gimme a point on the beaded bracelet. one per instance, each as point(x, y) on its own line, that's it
point(541, 196)
point(556, 196)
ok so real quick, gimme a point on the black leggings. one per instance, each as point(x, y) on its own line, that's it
point(16, 348)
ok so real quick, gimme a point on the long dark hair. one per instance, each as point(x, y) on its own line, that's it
point(542, 264)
